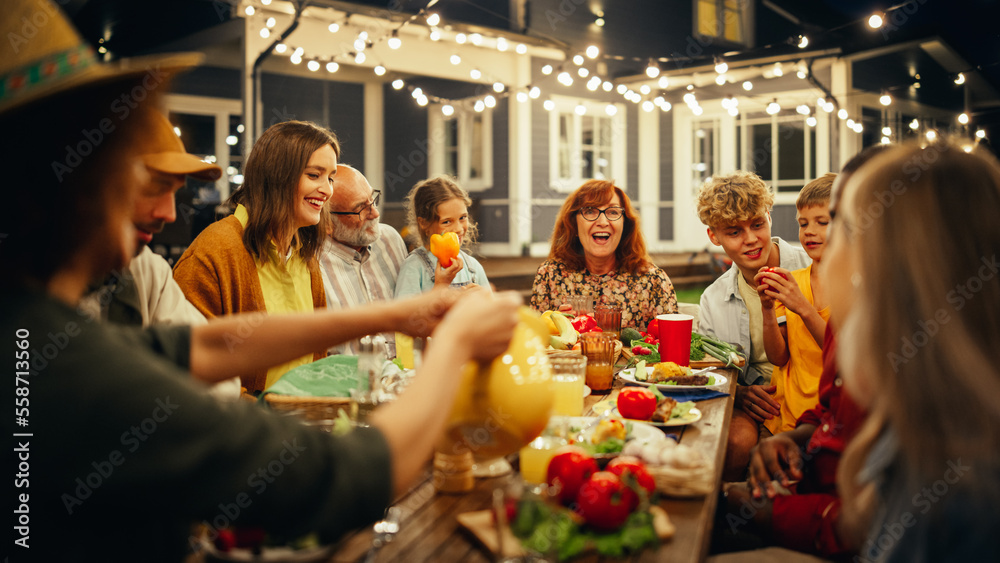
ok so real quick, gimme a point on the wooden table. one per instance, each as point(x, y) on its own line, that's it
point(430, 532)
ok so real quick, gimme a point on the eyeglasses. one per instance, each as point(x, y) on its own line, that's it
point(374, 202)
point(613, 213)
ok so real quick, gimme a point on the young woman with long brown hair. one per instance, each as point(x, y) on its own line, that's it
point(265, 256)
point(598, 249)
point(912, 270)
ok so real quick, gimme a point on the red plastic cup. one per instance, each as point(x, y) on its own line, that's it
point(675, 338)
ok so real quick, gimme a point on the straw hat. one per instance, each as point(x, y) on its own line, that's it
point(43, 55)
point(167, 154)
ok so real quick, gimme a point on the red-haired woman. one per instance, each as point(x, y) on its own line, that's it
point(598, 249)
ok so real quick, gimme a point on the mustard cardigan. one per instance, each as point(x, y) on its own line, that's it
point(219, 277)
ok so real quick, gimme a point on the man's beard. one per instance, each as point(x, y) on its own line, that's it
point(366, 235)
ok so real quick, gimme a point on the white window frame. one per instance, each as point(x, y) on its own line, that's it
point(776, 182)
point(566, 105)
point(748, 14)
point(222, 109)
point(437, 150)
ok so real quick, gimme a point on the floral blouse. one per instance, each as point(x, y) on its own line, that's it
point(642, 296)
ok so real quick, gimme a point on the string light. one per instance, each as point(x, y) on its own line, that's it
point(621, 89)
point(747, 85)
point(583, 72)
point(652, 69)
point(565, 79)
point(549, 105)
point(398, 84)
point(720, 66)
point(417, 92)
point(395, 42)
point(534, 92)
point(455, 59)
point(599, 22)
point(502, 44)
point(885, 99)
point(607, 86)
point(697, 110)
point(645, 89)
point(379, 70)
point(648, 106)
point(490, 101)
point(876, 20)
point(963, 118)
point(803, 42)
point(522, 97)
point(447, 109)
point(887, 131)
point(476, 39)
point(498, 87)
point(665, 106)
point(435, 34)
point(886, 140)
point(611, 110)
point(811, 121)
point(460, 38)
point(521, 49)
point(313, 65)
point(980, 134)
point(360, 58)
point(479, 107)
point(842, 113)
point(960, 79)
point(803, 109)
point(663, 82)
point(334, 27)
point(578, 60)
point(593, 51)
point(433, 20)
point(931, 135)
point(914, 124)
point(720, 80)
point(265, 32)
point(547, 70)
point(476, 74)
point(773, 107)
point(250, 11)
point(422, 101)
point(295, 58)
point(334, 67)
point(733, 111)
point(778, 70)
point(270, 22)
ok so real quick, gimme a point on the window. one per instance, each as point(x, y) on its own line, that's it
point(725, 20)
point(587, 142)
point(462, 146)
point(212, 129)
point(704, 150)
point(781, 150)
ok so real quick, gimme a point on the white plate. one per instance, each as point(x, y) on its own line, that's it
point(641, 430)
point(629, 376)
point(693, 415)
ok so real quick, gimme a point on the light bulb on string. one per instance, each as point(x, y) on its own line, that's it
point(648, 106)
point(665, 106)
point(265, 32)
point(980, 134)
point(435, 34)
point(720, 80)
point(565, 79)
point(578, 60)
point(433, 20)
point(887, 131)
point(549, 105)
point(876, 20)
point(611, 110)
point(850, 123)
point(720, 66)
point(295, 58)
point(915, 124)
point(652, 69)
point(960, 79)
point(593, 84)
point(447, 109)
point(422, 101)
point(583, 72)
point(885, 99)
point(803, 42)
point(379, 70)
point(360, 44)
point(842, 113)
point(334, 27)
point(886, 140)
point(502, 44)
point(689, 98)
point(476, 74)
point(280, 48)
point(778, 70)
point(931, 135)
point(534, 92)
point(394, 41)
point(697, 110)
point(398, 84)
point(498, 87)
point(417, 92)
point(522, 97)
point(645, 89)
point(455, 59)
point(963, 118)
point(663, 82)
point(621, 89)
point(773, 107)
point(460, 38)
point(801, 74)
point(490, 101)
point(271, 22)
point(360, 58)
point(313, 65)
point(250, 11)
point(332, 67)
point(733, 111)
point(747, 85)
point(580, 109)
point(607, 86)
point(803, 109)
point(593, 51)
point(811, 121)
point(476, 39)
point(521, 49)
point(547, 70)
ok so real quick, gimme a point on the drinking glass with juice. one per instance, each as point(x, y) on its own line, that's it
point(536, 455)
point(569, 372)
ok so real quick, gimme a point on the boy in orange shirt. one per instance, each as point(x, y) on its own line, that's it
point(795, 313)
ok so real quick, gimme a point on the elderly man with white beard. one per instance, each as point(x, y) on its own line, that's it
point(361, 258)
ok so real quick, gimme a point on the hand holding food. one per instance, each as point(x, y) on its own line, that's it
point(444, 275)
point(777, 458)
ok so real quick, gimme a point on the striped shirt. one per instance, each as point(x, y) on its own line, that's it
point(353, 278)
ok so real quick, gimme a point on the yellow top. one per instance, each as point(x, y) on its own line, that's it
point(287, 288)
point(797, 380)
point(758, 355)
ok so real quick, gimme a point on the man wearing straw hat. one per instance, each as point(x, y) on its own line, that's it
point(116, 451)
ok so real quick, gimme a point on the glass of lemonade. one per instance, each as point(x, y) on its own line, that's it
point(536, 455)
point(599, 347)
point(569, 372)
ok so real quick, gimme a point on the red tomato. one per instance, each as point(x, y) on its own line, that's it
point(570, 468)
point(636, 402)
point(225, 540)
point(653, 329)
point(605, 502)
point(626, 464)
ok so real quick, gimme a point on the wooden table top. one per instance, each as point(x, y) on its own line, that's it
point(429, 530)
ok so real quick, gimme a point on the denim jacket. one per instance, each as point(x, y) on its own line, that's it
point(724, 315)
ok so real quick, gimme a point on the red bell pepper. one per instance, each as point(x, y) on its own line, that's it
point(585, 323)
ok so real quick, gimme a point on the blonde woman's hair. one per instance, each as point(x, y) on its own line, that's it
point(926, 324)
point(816, 192)
point(422, 203)
point(727, 200)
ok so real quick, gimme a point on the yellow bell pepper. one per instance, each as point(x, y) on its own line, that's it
point(445, 248)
